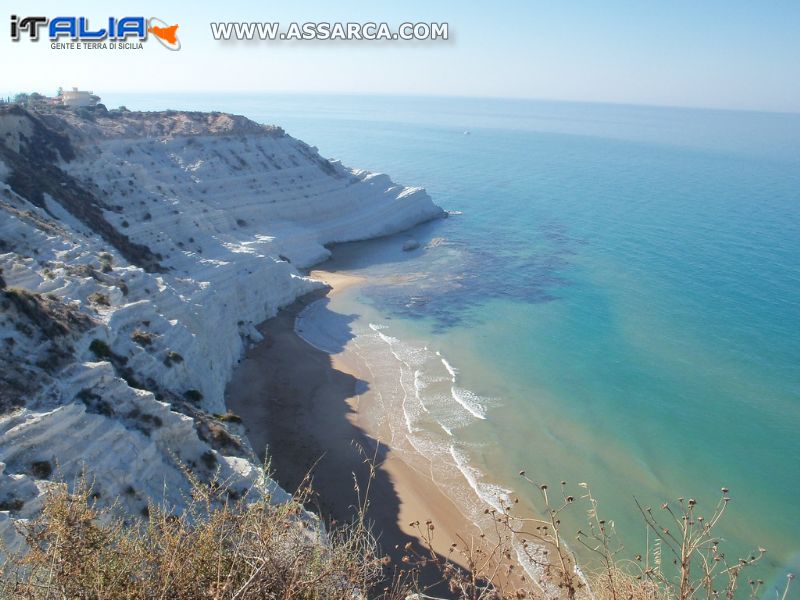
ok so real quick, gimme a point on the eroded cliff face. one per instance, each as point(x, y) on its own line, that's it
point(138, 251)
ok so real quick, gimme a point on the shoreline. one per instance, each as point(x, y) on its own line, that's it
point(421, 499)
point(303, 402)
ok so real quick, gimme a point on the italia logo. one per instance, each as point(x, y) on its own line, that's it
point(113, 30)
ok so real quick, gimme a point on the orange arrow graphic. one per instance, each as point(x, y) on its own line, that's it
point(165, 33)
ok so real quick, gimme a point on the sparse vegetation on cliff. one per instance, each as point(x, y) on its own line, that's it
point(227, 544)
point(39, 320)
point(35, 173)
point(217, 548)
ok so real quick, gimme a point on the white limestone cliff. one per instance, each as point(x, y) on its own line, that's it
point(138, 252)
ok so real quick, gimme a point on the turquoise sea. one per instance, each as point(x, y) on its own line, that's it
point(619, 299)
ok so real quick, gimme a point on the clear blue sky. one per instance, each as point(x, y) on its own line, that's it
point(710, 53)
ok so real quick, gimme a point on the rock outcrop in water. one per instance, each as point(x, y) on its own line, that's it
point(138, 251)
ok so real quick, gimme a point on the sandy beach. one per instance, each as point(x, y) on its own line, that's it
point(302, 405)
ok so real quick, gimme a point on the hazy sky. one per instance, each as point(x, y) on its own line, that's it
point(716, 53)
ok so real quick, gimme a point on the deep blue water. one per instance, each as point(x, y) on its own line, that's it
point(624, 283)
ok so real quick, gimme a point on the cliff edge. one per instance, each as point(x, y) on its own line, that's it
point(137, 252)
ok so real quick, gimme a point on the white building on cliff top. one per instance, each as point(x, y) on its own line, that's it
point(77, 98)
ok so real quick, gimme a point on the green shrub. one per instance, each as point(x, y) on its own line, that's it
point(100, 349)
point(12, 504)
point(193, 395)
point(143, 338)
point(172, 357)
point(95, 403)
point(153, 420)
point(41, 469)
point(99, 299)
point(209, 459)
point(229, 417)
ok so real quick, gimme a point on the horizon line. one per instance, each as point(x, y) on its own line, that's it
point(796, 112)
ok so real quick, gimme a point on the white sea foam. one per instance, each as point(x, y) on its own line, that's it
point(416, 358)
point(531, 559)
point(489, 493)
point(470, 401)
point(498, 497)
point(387, 338)
point(450, 368)
point(431, 373)
point(419, 385)
point(402, 365)
point(407, 418)
point(413, 356)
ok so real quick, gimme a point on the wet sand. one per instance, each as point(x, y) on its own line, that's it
point(301, 404)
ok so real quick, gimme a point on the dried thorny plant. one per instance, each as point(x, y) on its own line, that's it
point(703, 570)
point(215, 548)
point(683, 558)
point(223, 546)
